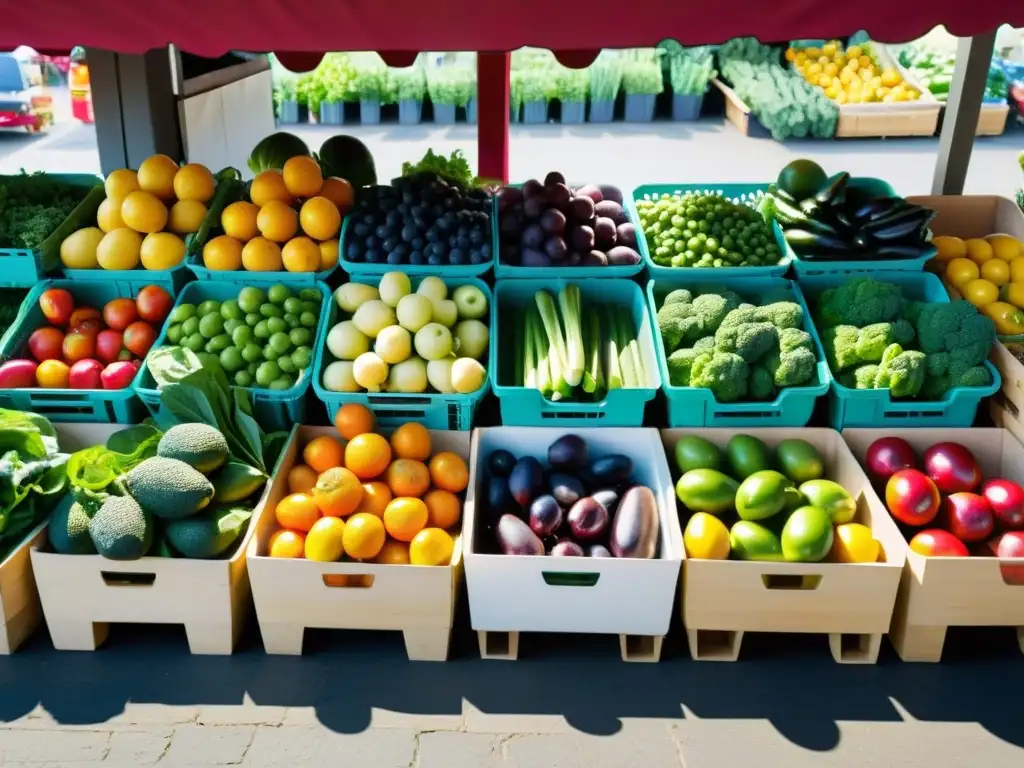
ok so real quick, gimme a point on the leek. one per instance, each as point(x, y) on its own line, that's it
point(570, 302)
point(543, 356)
point(611, 354)
point(529, 367)
point(630, 379)
point(522, 350)
point(556, 343)
point(593, 378)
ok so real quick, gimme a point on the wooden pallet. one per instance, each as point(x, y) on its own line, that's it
point(20, 612)
point(724, 645)
point(505, 646)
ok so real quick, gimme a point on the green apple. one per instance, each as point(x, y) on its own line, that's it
point(414, 311)
point(433, 341)
point(374, 316)
point(393, 286)
point(470, 301)
point(351, 296)
point(467, 375)
point(369, 371)
point(433, 288)
point(408, 376)
point(445, 312)
point(346, 342)
point(472, 337)
point(393, 345)
point(439, 374)
point(338, 377)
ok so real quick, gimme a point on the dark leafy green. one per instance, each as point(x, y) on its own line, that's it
point(32, 206)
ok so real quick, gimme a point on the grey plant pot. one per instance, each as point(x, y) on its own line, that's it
point(513, 113)
point(410, 111)
point(332, 113)
point(289, 112)
point(444, 114)
point(574, 112)
point(471, 112)
point(602, 111)
point(535, 112)
point(686, 107)
point(369, 112)
point(640, 107)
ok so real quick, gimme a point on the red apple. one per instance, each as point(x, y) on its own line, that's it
point(1007, 501)
point(108, 345)
point(86, 374)
point(57, 306)
point(887, 456)
point(118, 375)
point(968, 517)
point(938, 543)
point(46, 344)
point(912, 497)
point(1009, 544)
point(952, 467)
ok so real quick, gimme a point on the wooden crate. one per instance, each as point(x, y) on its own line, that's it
point(851, 603)
point(82, 594)
point(941, 592)
point(739, 114)
point(992, 120)
point(293, 595)
point(631, 598)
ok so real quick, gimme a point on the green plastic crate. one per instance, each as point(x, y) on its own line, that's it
point(728, 190)
point(874, 407)
point(525, 407)
point(391, 409)
point(115, 406)
point(274, 409)
point(695, 407)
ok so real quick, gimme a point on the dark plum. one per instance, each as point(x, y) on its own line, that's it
point(635, 528)
point(534, 258)
point(509, 197)
point(604, 233)
point(598, 550)
point(594, 259)
point(592, 191)
point(569, 452)
point(588, 519)
point(581, 208)
point(557, 195)
point(612, 470)
point(552, 221)
point(555, 248)
point(515, 537)
point(526, 481)
point(509, 253)
point(611, 210)
point(501, 462)
point(582, 238)
point(567, 548)
point(499, 499)
point(621, 256)
point(566, 489)
point(546, 516)
point(533, 236)
point(573, 259)
point(609, 192)
point(532, 188)
point(511, 223)
point(554, 177)
point(625, 234)
point(607, 498)
point(533, 207)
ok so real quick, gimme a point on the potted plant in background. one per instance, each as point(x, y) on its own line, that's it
point(515, 91)
point(605, 76)
point(368, 81)
point(690, 70)
point(409, 86)
point(642, 81)
point(286, 103)
point(335, 74)
point(464, 83)
point(443, 94)
point(536, 92)
point(310, 91)
point(572, 93)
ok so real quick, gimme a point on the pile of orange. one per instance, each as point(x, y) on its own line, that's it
point(290, 222)
point(365, 497)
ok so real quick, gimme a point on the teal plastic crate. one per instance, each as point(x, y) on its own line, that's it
point(115, 406)
point(24, 267)
point(648, 191)
point(502, 269)
point(874, 407)
point(230, 189)
point(879, 188)
point(694, 407)
point(523, 407)
point(392, 409)
point(275, 410)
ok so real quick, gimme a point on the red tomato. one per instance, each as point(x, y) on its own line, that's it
point(154, 303)
point(57, 305)
point(120, 313)
point(78, 346)
point(46, 344)
point(108, 345)
point(82, 314)
point(139, 337)
point(90, 327)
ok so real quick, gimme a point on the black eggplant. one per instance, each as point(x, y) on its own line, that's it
point(834, 191)
point(897, 225)
point(811, 244)
point(882, 206)
point(888, 251)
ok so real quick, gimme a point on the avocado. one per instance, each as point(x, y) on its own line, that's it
point(208, 534)
point(69, 529)
point(799, 460)
point(693, 452)
point(200, 446)
point(763, 494)
point(807, 535)
point(120, 530)
point(747, 455)
point(753, 541)
point(802, 179)
point(707, 490)
point(169, 488)
point(831, 497)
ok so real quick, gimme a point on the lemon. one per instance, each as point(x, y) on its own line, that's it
point(706, 538)
point(302, 176)
point(108, 215)
point(277, 221)
point(431, 546)
point(119, 249)
point(962, 271)
point(980, 292)
point(319, 218)
point(364, 536)
point(162, 250)
point(300, 254)
point(979, 251)
point(268, 186)
point(261, 255)
point(1017, 270)
point(239, 220)
point(996, 271)
point(156, 175)
point(325, 540)
point(949, 248)
point(143, 212)
point(186, 217)
point(328, 255)
point(120, 182)
point(194, 182)
point(1005, 247)
point(854, 543)
point(78, 251)
point(222, 254)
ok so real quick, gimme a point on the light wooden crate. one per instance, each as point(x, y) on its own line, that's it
point(941, 592)
point(82, 594)
point(738, 113)
point(992, 119)
point(852, 603)
point(293, 595)
point(628, 597)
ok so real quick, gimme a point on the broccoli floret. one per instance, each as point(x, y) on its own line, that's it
point(937, 365)
point(872, 341)
point(902, 331)
point(784, 314)
point(762, 384)
point(795, 338)
point(707, 344)
point(679, 296)
point(957, 328)
point(724, 373)
point(976, 376)
point(934, 387)
point(712, 308)
point(680, 363)
point(840, 345)
point(745, 313)
point(882, 374)
point(793, 368)
point(863, 377)
point(912, 310)
point(861, 301)
point(907, 374)
point(750, 340)
point(678, 324)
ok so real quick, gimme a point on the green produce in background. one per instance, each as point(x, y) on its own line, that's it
point(707, 490)
point(693, 452)
point(747, 455)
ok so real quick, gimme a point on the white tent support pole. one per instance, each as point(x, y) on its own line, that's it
point(973, 57)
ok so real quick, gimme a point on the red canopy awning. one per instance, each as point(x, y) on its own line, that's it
point(212, 27)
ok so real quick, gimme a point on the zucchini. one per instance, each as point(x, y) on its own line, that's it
point(789, 214)
point(834, 191)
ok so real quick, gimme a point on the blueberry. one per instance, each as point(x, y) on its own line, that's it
point(433, 236)
point(416, 257)
point(393, 219)
point(476, 237)
point(372, 256)
point(354, 250)
point(382, 231)
point(403, 210)
point(390, 243)
point(485, 249)
point(442, 224)
point(457, 256)
point(401, 248)
point(408, 198)
point(418, 243)
point(436, 211)
point(394, 258)
point(372, 241)
point(478, 257)
point(464, 243)
point(408, 233)
point(369, 219)
point(453, 241)
point(359, 229)
point(434, 260)
point(437, 248)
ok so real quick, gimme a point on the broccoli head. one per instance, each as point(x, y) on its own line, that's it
point(712, 308)
point(902, 331)
point(882, 375)
point(679, 296)
point(791, 369)
point(679, 364)
point(861, 377)
point(794, 338)
point(934, 387)
point(744, 313)
point(678, 323)
point(783, 314)
point(957, 328)
point(707, 344)
point(840, 345)
point(937, 365)
point(751, 341)
point(861, 301)
point(975, 376)
point(872, 341)
point(907, 374)
point(724, 373)
point(762, 384)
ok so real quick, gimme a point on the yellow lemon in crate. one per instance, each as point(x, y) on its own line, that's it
point(300, 254)
point(108, 215)
point(162, 250)
point(268, 186)
point(302, 176)
point(393, 553)
point(996, 271)
point(262, 255)
point(78, 251)
point(1017, 270)
point(156, 175)
point(119, 249)
point(1013, 293)
point(277, 221)
point(319, 218)
point(980, 292)
point(328, 255)
point(979, 251)
point(1005, 247)
point(186, 217)
point(239, 220)
point(285, 543)
point(364, 536)
point(949, 248)
point(143, 212)
point(431, 546)
point(962, 271)
point(120, 182)
point(706, 538)
point(222, 254)
point(854, 543)
point(194, 182)
point(325, 540)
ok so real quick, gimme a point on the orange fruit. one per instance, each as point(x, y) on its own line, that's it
point(364, 536)
point(194, 182)
point(353, 419)
point(405, 517)
point(269, 185)
point(239, 220)
point(302, 176)
point(120, 182)
point(319, 218)
point(186, 217)
point(277, 221)
point(393, 553)
point(368, 455)
point(261, 255)
point(443, 509)
point(156, 175)
point(339, 192)
point(285, 543)
point(143, 212)
point(328, 254)
point(323, 453)
point(376, 497)
point(996, 271)
point(324, 542)
point(408, 477)
point(301, 479)
point(961, 271)
point(449, 472)
point(411, 441)
point(297, 511)
point(431, 546)
point(949, 248)
point(337, 492)
point(979, 251)
point(1005, 247)
point(222, 254)
point(300, 254)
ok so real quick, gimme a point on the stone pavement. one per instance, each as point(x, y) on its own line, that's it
point(354, 701)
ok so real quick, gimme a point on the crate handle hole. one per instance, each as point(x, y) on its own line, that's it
point(558, 579)
point(716, 644)
point(855, 647)
point(555, 415)
point(641, 648)
point(389, 400)
point(1013, 575)
point(115, 579)
point(498, 644)
point(745, 414)
point(348, 580)
point(790, 581)
point(914, 414)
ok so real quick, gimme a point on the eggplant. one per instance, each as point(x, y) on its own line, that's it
point(515, 537)
point(890, 251)
point(501, 462)
point(567, 548)
point(598, 550)
point(834, 191)
point(612, 470)
point(568, 453)
point(566, 489)
point(881, 206)
point(546, 515)
point(499, 499)
point(588, 519)
point(634, 531)
point(526, 482)
point(898, 225)
point(811, 244)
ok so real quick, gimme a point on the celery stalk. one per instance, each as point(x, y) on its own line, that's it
point(543, 358)
point(593, 378)
point(556, 343)
point(522, 349)
point(529, 367)
point(611, 353)
point(570, 303)
point(623, 324)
